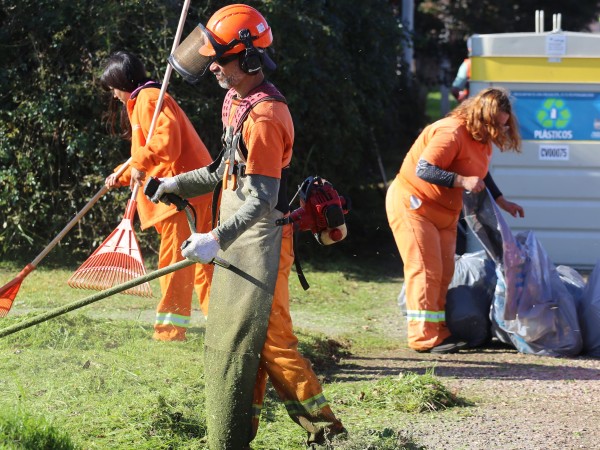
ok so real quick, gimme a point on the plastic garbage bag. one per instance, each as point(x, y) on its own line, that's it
point(575, 284)
point(589, 313)
point(532, 307)
point(469, 298)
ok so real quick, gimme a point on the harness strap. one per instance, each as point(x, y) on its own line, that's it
point(299, 272)
point(262, 92)
point(213, 166)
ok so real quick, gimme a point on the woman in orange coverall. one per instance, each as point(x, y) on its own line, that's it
point(174, 148)
point(424, 202)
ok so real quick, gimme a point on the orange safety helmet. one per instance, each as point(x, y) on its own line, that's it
point(233, 30)
point(224, 27)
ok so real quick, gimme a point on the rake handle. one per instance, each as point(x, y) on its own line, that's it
point(94, 298)
point(77, 217)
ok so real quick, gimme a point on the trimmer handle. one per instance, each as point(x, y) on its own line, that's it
point(152, 186)
point(181, 204)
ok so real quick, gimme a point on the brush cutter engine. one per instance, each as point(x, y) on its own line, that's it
point(321, 211)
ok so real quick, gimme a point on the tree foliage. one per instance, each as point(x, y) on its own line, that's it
point(338, 68)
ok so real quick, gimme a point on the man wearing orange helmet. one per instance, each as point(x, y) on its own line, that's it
point(249, 335)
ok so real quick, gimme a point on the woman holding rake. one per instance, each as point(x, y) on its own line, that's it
point(174, 147)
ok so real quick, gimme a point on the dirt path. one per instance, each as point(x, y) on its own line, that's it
point(521, 401)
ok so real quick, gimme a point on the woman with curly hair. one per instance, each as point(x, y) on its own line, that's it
point(424, 202)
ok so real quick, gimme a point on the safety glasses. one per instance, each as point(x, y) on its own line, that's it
point(224, 60)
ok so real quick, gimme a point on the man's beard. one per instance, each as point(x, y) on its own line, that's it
point(228, 82)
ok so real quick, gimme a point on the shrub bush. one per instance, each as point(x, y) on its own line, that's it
point(338, 68)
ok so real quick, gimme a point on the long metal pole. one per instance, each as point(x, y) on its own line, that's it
point(408, 19)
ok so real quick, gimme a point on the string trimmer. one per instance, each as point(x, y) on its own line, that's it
point(181, 204)
point(118, 258)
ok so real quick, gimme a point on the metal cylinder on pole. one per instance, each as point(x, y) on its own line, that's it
point(408, 13)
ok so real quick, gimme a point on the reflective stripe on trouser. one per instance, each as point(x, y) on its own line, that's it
point(291, 375)
point(426, 239)
point(174, 309)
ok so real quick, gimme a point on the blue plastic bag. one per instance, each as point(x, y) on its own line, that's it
point(532, 307)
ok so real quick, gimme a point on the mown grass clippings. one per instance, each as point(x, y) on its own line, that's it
point(324, 353)
point(175, 421)
point(100, 379)
point(409, 392)
point(23, 431)
point(74, 331)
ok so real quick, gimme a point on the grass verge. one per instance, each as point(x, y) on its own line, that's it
point(96, 376)
point(20, 430)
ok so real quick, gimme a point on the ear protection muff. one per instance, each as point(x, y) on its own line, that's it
point(250, 60)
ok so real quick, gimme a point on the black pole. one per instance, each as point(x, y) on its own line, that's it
point(94, 298)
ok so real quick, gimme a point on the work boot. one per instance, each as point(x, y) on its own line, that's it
point(329, 437)
point(169, 333)
point(448, 345)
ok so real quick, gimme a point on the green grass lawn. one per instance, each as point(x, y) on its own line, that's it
point(95, 378)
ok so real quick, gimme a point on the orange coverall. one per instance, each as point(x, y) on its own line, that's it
point(175, 147)
point(423, 219)
point(270, 150)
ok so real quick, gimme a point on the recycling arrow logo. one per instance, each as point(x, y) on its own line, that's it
point(554, 114)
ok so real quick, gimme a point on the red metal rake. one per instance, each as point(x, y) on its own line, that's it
point(8, 292)
point(117, 260)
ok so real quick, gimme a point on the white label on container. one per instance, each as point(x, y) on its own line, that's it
point(554, 152)
point(556, 45)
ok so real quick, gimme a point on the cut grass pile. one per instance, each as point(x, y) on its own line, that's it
point(410, 393)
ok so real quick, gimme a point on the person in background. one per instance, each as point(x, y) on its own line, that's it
point(174, 147)
point(460, 85)
point(249, 333)
point(424, 201)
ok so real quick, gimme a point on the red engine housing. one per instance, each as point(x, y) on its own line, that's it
point(321, 210)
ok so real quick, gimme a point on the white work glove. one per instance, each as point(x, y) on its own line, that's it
point(200, 247)
point(167, 186)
